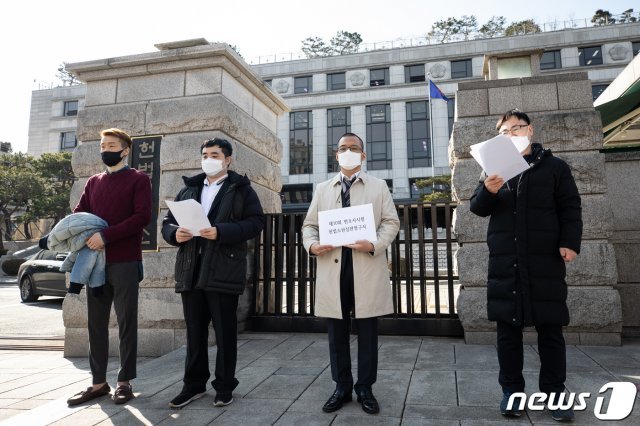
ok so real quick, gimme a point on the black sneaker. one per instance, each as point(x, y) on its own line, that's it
point(514, 411)
point(185, 398)
point(562, 415)
point(222, 399)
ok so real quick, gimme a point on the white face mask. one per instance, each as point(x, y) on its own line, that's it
point(349, 160)
point(521, 143)
point(212, 166)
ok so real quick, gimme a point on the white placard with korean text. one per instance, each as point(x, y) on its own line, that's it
point(347, 225)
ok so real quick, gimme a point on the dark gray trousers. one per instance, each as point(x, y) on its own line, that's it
point(121, 289)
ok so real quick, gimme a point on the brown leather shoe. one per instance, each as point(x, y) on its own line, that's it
point(123, 394)
point(88, 395)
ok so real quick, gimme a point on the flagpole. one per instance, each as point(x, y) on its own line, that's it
point(431, 133)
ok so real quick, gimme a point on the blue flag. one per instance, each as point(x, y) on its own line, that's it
point(436, 93)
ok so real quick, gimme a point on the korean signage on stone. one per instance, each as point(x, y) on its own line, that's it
point(145, 157)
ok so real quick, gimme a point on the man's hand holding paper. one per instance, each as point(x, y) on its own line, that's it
point(190, 216)
point(498, 156)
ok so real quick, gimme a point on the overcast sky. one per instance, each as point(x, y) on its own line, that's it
point(36, 36)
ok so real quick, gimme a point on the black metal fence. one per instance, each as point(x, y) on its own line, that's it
point(423, 275)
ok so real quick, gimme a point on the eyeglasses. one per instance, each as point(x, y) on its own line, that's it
point(513, 129)
point(352, 148)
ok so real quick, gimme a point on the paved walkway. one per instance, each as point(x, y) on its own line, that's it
point(285, 380)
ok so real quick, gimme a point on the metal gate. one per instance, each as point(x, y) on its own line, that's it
point(423, 275)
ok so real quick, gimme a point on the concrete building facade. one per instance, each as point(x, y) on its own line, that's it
point(389, 89)
point(381, 95)
point(53, 119)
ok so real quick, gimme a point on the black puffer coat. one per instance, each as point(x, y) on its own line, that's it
point(532, 216)
point(217, 265)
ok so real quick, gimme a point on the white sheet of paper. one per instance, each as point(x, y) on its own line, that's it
point(189, 215)
point(347, 225)
point(499, 156)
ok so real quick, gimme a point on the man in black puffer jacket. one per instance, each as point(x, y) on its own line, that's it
point(211, 269)
point(535, 227)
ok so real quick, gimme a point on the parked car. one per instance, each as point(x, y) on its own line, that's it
point(40, 275)
point(26, 253)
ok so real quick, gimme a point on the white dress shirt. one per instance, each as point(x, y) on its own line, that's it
point(209, 192)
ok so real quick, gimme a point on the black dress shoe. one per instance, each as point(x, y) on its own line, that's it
point(368, 402)
point(335, 402)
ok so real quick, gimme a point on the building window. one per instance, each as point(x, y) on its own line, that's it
point(68, 140)
point(338, 123)
point(379, 77)
point(415, 191)
point(461, 69)
point(296, 194)
point(70, 108)
point(590, 56)
point(336, 81)
point(300, 142)
point(418, 137)
point(597, 89)
point(551, 60)
point(303, 84)
point(268, 82)
point(451, 114)
point(389, 183)
point(378, 137)
point(635, 47)
point(414, 73)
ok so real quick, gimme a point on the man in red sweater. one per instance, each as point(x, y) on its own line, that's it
point(122, 197)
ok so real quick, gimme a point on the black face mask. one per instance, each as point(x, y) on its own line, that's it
point(111, 158)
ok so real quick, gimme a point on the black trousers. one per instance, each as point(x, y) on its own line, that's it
point(339, 336)
point(553, 358)
point(201, 308)
point(121, 289)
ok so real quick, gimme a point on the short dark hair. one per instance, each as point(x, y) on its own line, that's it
point(352, 135)
point(120, 134)
point(513, 113)
point(225, 146)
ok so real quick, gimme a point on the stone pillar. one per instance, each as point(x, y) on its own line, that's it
point(187, 92)
point(564, 120)
point(623, 172)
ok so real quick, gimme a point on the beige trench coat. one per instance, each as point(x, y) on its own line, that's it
point(372, 289)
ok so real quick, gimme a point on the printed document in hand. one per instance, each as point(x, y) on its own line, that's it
point(338, 227)
point(499, 156)
point(189, 215)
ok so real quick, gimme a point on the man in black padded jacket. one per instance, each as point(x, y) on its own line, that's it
point(211, 269)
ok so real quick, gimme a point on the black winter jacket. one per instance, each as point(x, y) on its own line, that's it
point(532, 216)
point(217, 265)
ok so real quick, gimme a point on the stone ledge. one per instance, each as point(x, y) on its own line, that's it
point(470, 228)
point(128, 117)
point(151, 343)
point(551, 129)
point(587, 168)
point(591, 339)
point(209, 113)
point(595, 266)
point(592, 310)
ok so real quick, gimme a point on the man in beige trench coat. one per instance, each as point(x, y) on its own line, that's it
point(353, 280)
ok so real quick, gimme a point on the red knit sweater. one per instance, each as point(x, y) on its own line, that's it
point(123, 200)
